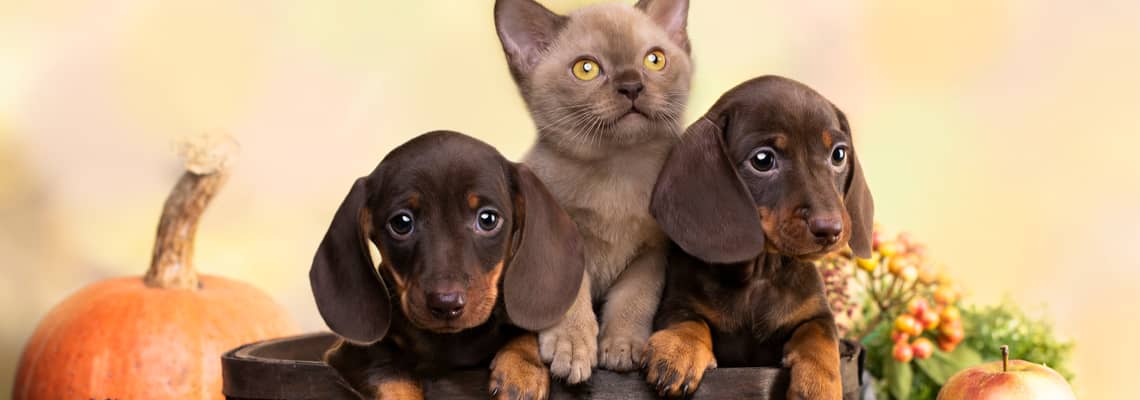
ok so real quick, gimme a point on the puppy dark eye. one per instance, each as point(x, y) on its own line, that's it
point(838, 156)
point(763, 160)
point(488, 221)
point(401, 225)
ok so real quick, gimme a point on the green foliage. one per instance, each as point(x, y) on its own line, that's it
point(1030, 339)
point(987, 328)
point(900, 378)
point(942, 365)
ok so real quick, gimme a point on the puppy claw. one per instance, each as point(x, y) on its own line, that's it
point(515, 376)
point(676, 362)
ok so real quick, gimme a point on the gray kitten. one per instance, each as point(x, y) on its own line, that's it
point(606, 86)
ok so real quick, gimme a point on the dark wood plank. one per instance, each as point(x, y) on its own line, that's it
point(290, 368)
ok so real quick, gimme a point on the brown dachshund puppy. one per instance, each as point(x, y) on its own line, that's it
point(763, 184)
point(455, 224)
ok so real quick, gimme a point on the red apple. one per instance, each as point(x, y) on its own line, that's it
point(1007, 379)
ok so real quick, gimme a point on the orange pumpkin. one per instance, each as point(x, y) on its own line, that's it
point(156, 337)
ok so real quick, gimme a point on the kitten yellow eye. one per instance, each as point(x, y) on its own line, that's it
point(585, 69)
point(655, 60)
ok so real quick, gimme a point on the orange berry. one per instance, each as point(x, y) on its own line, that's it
point(888, 248)
point(899, 336)
point(930, 320)
point(909, 274)
point(945, 295)
point(902, 352)
point(917, 307)
point(950, 313)
point(946, 345)
point(922, 348)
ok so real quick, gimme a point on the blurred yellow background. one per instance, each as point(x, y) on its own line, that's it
point(1002, 133)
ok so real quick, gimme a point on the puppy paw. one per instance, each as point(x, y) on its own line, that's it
point(571, 347)
point(675, 362)
point(807, 385)
point(399, 389)
point(621, 351)
point(514, 377)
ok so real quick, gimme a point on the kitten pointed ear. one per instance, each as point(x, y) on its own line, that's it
point(525, 29)
point(670, 15)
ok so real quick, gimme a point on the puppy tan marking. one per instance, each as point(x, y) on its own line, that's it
point(518, 373)
point(677, 357)
point(402, 388)
point(465, 284)
point(746, 232)
point(813, 356)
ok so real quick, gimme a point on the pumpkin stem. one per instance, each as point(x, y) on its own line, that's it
point(172, 265)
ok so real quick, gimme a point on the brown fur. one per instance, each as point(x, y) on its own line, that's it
point(399, 389)
point(532, 257)
point(518, 373)
point(599, 152)
point(750, 279)
point(678, 356)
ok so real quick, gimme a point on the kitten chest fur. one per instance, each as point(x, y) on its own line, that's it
point(608, 198)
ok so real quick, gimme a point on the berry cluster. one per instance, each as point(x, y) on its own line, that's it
point(943, 321)
point(901, 287)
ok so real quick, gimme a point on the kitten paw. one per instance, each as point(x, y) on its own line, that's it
point(621, 352)
point(571, 348)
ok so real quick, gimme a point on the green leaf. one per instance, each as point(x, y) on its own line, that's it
point(941, 365)
point(899, 377)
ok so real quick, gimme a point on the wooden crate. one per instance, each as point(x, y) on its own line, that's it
point(290, 369)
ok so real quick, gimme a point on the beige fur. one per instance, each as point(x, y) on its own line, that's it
point(601, 165)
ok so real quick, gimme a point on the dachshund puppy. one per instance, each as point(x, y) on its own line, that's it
point(763, 184)
point(455, 224)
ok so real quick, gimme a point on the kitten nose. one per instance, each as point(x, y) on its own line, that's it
point(630, 89)
point(446, 305)
point(825, 229)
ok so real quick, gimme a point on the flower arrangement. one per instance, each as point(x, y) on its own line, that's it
point(907, 312)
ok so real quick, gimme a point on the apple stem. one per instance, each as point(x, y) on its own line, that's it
point(1004, 357)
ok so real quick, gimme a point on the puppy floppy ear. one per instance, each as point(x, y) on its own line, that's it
point(701, 202)
point(857, 197)
point(670, 15)
point(525, 29)
point(546, 265)
point(351, 296)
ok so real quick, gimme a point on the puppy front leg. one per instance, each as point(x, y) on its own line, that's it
point(813, 356)
point(517, 372)
point(627, 317)
point(676, 358)
point(372, 371)
point(571, 345)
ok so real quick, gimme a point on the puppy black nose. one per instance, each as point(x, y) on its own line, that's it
point(630, 89)
point(446, 305)
point(826, 229)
